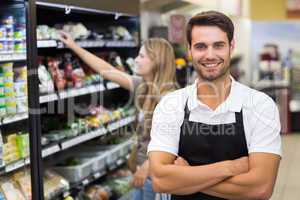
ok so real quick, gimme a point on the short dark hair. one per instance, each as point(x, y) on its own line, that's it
point(210, 18)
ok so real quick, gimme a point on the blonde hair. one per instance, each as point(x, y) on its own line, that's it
point(148, 94)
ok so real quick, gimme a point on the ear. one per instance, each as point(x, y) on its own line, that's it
point(189, 51)
point(232, 45)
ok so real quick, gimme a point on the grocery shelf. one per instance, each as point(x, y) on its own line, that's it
point(120, 123)
point(15, 118)
point(88, 44)
point(77, 92)
point(12, 57)
point(48, 98)
point(50, 150)
point(98, 174)
point(112, 85)
point(82, 138)
point(46, 43)
point(81, 91)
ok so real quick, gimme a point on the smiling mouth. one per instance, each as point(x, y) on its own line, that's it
point(211, 65)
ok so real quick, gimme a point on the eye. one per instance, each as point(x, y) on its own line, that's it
point(200, 46)
point(219, 45)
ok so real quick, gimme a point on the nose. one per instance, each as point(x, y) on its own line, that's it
point(210, 53)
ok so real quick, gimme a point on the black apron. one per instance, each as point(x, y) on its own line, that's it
point(202, 144)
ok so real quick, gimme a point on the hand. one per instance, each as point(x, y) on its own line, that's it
point(66, 39)
point(139, 177)
point(240, 165)
point(181, 162)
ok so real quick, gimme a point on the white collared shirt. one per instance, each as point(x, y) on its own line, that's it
point(260, 118)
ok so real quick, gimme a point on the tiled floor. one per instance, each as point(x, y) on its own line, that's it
point(288, 181)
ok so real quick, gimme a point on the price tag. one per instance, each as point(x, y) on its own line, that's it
point(14, 166)
point(119, 162)
point(85, 182)
point(27, 161)
point(97, 175)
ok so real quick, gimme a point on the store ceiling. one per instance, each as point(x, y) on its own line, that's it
point(163, 5)
point(130, 7)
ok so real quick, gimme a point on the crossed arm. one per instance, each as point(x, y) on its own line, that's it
point(182, 179)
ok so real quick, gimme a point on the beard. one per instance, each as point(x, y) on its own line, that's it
point(212, 77)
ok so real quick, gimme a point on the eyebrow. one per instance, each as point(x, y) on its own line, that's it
point(215, 43)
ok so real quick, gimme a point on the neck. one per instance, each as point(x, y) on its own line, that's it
point(148, 78)
point(213, 93)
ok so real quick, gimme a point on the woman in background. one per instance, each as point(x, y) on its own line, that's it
point(156, 76)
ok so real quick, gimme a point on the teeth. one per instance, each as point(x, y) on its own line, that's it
point(211, 65)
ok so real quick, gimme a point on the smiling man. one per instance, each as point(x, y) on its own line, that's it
point(216, 139)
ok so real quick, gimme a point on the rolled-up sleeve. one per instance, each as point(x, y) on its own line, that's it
point(167, 120)
point(265, 135)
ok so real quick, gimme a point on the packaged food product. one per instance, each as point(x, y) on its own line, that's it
point(8, 20)
point(20, 88)
point(19, 47)
point(11, 106)
point(19, 33)
point(10, 191)
point(3, 46)
point(23, 179)
point(20, 74)
point(22, 141)
point(9, 88)
point(1, 90)
point(10, 46)
point(1, 78)
point(9, 32)
point(8, 77)
point(2, 110)
point(22, 104)
point(2, 32)
point(7, 67)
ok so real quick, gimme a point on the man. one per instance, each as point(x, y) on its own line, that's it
point(216, 139)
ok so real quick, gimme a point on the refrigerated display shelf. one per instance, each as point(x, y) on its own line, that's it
point(81, 91)
point(15, 118)
point(99, 174)
point(112, 85)
point(77, 92)
point(48, 98)
point(52, 149)
point(6, 57)
point(82, 138)
point(120, 123)
point(88, 44)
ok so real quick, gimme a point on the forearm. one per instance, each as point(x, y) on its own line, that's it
point(172, 178)
point(106, 70)
point(245, 186)
point(96, 63)
point(196, 188)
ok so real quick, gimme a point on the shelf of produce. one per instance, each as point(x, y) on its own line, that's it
point(112, 85)
point(120, 123)
point(48, 98)
point(83, 138)
point(6, 57)
point(88, 44)
point(113, 43)
point(47, 151)
point(120, 161)
point(47, 43)
point(15, 118)
point(81, 91)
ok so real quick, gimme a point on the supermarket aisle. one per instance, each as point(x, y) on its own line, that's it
point(288, 184)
